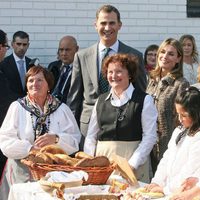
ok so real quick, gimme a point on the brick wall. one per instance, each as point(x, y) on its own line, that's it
point(144, 22)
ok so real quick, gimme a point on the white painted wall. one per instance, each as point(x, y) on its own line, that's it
point(144, 22)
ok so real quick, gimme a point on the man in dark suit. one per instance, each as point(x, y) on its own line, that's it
point(4, 101)
point(10, 65)
point(84, 89)
point(10, 81)
point(62, 68)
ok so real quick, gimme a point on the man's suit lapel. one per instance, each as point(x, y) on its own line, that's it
point(92, 65)
point(27, 63)
point(55, 69)
point(122, 48)
point(14, 73)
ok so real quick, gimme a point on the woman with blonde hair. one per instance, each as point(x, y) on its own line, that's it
point(190, 58)
point(164, 84)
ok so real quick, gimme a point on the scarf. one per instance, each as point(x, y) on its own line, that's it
point(39, 126)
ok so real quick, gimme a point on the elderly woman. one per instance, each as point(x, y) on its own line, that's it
point(34, 121)
point(124, 119)
point(166, 81)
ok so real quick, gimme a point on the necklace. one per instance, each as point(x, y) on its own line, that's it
point(121, 113)
point(40, 127)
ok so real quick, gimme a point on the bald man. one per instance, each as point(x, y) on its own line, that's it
point(62, 68)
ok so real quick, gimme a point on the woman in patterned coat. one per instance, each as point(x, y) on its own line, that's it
point(164, 84)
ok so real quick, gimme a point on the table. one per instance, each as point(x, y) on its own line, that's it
point(33, 191)
point(28, 191)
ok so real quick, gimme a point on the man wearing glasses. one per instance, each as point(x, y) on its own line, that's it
point(3, 44)
point(11, 81)
point(62, 68)
point(3, 49)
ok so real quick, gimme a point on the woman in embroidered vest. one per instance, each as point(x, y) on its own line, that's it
point(124, 119)
point(190, 58)
point(181, 160)
point(166, 81)
point(34, 121)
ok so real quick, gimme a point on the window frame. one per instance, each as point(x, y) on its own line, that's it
point(193, 8)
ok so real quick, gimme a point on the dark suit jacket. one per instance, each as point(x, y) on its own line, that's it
point(11, 89)
point(6, 97)
point(9, 68)
point(84, 89)
point(55, 67)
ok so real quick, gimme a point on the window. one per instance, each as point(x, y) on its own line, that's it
point(193, 8)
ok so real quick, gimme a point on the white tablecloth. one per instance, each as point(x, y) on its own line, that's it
point(33, 191)
point(28, 191)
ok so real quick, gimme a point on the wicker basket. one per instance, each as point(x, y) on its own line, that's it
point(96, 175)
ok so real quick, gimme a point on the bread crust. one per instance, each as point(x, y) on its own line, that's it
point(99, 161)
point(144, 191)
point(64, 159)
point(42, 158)
point(53, 149)
point(82, 154)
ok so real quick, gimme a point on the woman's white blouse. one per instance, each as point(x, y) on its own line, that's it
point(148, 118)
point(17, 135)
point(179, 162)
point(190, 72)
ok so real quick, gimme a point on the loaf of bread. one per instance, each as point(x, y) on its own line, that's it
point(53, 149)
point(82, 154)
point(42, 158)
point(63, 159)
point(53, 154)
point(144, 191)
point(99, 161)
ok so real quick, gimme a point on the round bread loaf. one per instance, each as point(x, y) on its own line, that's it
point(99, 161)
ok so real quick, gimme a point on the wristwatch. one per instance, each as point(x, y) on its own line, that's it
point(57, 139)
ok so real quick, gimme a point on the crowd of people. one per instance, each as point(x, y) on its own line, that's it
point(106, 99)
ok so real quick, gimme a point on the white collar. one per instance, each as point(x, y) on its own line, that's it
point(114, 47)
point(17, 58)
point(125, 97)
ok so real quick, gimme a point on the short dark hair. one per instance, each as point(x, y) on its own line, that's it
point(151, 47)
point(20, 34)
point(108, 9)
point(47, 75)
point(3, 37)
point(128, 61)
point(189, 99)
